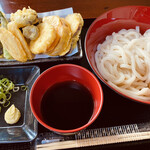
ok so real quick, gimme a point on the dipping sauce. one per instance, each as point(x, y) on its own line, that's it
point(67, 105)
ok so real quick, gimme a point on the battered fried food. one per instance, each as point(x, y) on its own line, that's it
point(76, 22)
point(31, 32)
point(47, 36)
point(12, 44)
point(56, 23)
point(24, 17)
point(64, 33)
point(53, 45)
point(4, 23)
point(13, 28)
point(53, 35)
point(67, 37)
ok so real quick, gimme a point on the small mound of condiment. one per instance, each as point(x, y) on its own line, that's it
point(12, 115)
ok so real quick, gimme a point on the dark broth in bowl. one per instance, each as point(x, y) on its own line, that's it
point(67, 105)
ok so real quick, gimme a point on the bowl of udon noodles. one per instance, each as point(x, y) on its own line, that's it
point(117, 47)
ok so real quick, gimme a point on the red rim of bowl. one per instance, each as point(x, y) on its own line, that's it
point(72, 130)
point(96, 72)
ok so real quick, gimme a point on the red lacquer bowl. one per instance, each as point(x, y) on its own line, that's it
point(61, 73)
point(113, 21)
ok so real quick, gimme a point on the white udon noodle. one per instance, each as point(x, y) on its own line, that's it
point(123, 60)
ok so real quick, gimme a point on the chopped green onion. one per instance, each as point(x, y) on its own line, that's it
point(6, 104)
point(1, 89)
point(2, 98)
point(10, 86)
point(16, 89)
point(2, 101)
point(6, 87)
point(5, 82)
point(8, 96)
point(24, 88)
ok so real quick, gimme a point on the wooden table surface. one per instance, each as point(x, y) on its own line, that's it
point(88, 8)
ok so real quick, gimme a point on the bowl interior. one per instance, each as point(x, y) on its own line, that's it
point(113, 21)
point(61, 73)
